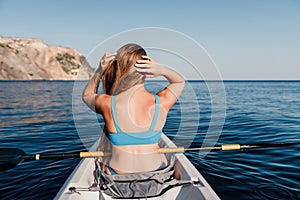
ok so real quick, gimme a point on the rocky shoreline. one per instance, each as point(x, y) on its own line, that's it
point(32, 59)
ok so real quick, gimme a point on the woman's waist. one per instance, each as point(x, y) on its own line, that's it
point(132, 162)
point(135, 149)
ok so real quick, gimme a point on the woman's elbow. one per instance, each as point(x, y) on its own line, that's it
point(85, 98)
point(183, 82)
point(89, 101)
point(181, 85)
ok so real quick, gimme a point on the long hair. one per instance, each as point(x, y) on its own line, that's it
point(120, 73)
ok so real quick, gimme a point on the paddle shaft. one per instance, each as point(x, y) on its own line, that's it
point(182, 150)
point(11, 157)
point(102, 154)
point(66, 155)
point(224, 147)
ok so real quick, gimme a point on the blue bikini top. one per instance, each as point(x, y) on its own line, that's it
point(122, 138)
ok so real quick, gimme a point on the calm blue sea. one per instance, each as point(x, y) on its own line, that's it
point(37, 117)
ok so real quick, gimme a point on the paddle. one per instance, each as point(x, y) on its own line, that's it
point(226, 147)
point(11, 157)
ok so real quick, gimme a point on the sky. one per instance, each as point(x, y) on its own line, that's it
point(254, 39)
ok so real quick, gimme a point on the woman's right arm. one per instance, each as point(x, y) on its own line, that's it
point(94, 101)
point(171, 93)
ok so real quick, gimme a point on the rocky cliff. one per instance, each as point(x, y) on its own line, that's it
point(31, 59)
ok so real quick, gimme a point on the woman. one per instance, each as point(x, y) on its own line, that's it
point(133, 116)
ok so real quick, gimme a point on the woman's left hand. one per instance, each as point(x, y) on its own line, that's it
point(149, 67)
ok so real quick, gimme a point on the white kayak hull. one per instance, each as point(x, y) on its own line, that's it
point(82, 177)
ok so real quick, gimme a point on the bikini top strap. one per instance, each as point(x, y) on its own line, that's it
point(114, 114)
point(157, 105)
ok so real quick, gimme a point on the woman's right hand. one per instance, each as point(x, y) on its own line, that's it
point(149, 67)
point(105, 60)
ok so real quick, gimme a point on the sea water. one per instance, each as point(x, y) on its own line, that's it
point(38, 117)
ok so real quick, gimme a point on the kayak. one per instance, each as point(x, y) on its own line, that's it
point(82, 178)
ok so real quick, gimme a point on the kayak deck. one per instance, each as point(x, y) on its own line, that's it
point(82, 178)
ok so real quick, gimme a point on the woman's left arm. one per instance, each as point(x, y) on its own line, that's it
point(89, 95)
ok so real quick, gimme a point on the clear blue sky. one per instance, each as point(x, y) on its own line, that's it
point(254, 39)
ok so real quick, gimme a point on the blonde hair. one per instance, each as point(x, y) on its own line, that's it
point(120, 74)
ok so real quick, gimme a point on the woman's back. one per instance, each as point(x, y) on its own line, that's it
point(135, 110)
point(134, 126)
